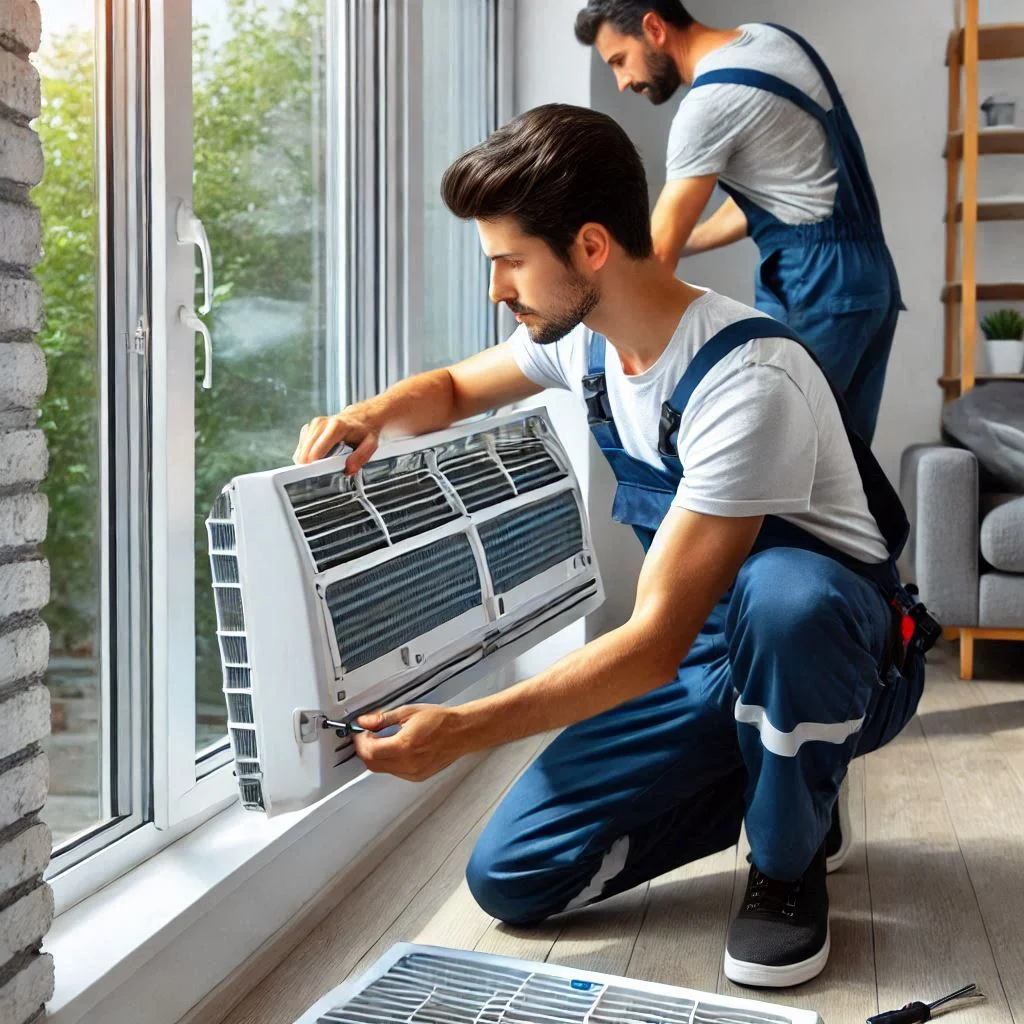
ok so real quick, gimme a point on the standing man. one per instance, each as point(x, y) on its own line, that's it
point(764, 119)
point(763, 651)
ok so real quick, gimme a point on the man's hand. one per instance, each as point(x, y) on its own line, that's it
point(417, 405)
point(319, 436)
point(428, 741)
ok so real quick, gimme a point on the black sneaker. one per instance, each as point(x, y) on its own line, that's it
point(839, 840)
point(780, 937)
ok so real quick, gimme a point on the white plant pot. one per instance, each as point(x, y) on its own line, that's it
point(1005, 356)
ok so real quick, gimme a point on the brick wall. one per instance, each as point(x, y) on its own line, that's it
point(26, 903)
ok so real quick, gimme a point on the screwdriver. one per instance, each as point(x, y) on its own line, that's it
point(915, 1013)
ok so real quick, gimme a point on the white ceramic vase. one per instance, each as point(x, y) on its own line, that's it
point(1004, 356)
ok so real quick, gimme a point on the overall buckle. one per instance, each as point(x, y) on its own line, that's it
point(667, 428)
point(595, 394)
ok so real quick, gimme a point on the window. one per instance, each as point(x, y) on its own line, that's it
point(92, 416)
point(70, 416)
point(454, 44)
point(258, 97)
point(264, 172)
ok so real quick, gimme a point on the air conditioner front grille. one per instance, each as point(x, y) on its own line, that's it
point(526, 458)
point(383, 608)
point(523, 543)
point(339, 531)
point(410, 504)
point(473, 988)
point(530, 466)
point(475, 474)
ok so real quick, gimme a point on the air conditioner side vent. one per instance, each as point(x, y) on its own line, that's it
point(231, 635)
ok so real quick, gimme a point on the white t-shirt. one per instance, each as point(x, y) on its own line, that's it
point(761, 435)
point(762, 144)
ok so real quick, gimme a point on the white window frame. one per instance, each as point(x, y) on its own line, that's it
point(121, 289)
point(179, 792)
point(150, 174)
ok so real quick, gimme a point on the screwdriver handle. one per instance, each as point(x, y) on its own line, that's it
point(912, 1013)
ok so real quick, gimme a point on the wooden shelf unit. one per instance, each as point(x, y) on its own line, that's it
point(1003, 41)
point(969, 43)
point(1003, 208)
point(991, 142)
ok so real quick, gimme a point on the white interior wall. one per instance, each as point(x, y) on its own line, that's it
point(550, 67)
point(892, 74)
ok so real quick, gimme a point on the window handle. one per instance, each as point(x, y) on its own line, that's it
point(191, 231)
point(189, 319)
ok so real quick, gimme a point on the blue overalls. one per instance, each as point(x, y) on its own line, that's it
point(799, 668)
point(833, 281)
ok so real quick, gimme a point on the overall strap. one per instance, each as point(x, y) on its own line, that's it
point(883, 501)
point(707, 357)
point(768, 83)
point(815, 58)
point(595, 394)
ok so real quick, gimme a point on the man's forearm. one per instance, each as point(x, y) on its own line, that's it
point(610, 670)
point(417, 405)
point(726, 225)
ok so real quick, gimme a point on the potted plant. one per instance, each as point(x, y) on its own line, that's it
point(1004, 341)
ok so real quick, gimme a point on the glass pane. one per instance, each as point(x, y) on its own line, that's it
point(258, 93)
point(70, 417)
point(457, 110)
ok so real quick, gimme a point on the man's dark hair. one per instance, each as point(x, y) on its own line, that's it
point(554, 169)
point(626, 16)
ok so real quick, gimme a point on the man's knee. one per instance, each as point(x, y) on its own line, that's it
point(781, 596)
point(502, 888)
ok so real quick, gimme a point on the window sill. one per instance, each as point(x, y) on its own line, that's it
point(165, 934)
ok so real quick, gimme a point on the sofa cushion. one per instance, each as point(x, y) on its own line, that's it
point(1002, 535)
point(1001, 601)
point(989, 420)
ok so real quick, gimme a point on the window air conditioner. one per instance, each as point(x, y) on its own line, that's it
point(445, 557)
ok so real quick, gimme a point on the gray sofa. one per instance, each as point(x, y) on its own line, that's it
point(966, 549)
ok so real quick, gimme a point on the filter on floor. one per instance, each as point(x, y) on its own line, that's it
point(445, 986)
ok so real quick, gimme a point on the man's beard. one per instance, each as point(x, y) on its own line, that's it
point(663, 74)
point(581, 298)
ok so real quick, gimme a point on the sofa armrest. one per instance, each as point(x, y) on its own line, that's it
point(940, 489)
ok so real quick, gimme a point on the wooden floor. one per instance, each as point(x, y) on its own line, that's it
point(931, 898)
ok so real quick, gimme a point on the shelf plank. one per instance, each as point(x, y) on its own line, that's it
point(955, 379)
point(1004, 291)
point(996, 208)
point(991, 142)
point(998, 41)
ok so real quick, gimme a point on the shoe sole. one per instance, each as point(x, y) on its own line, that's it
point(838, 859)
point(767, 976)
